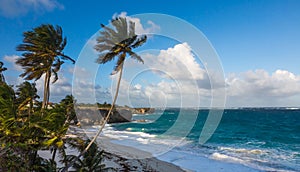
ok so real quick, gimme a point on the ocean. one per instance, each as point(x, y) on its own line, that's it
point(265, 139)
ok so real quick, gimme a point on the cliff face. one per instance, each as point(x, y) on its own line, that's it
point(142, 110)
point(117, 116)
point(91, 116)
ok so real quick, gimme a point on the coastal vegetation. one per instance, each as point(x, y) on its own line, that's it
point(43, 54)
point(27, 126)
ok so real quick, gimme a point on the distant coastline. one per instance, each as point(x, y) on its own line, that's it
point(89, 115)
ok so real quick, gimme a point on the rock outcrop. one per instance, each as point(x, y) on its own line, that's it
point(117, 116)
point(94, 116)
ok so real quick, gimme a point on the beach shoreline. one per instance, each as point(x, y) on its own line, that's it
point(127, 158)
point(164, 162)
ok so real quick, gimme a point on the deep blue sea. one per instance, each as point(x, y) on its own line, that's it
point(267, 139)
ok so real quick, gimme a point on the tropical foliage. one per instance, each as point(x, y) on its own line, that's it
point(26, 127)
point(91, 160)
point(42, 50)
point(22, 136)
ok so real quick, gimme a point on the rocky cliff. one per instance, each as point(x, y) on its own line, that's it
point(94, 116)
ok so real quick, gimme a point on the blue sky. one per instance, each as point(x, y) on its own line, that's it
point(255, 40)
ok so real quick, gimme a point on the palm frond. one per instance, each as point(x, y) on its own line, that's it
point(103, 47)
point(131, 29)
point(135, 56)
point(65, 57)
point(105, 57)
point(140, 41)
point(119, 64)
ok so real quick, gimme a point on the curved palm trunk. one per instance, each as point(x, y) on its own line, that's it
point(109, 112)
point(46, 90)
point(2, 79)
point(53, 155)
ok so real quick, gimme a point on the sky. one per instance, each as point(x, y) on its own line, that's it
point(256, 44)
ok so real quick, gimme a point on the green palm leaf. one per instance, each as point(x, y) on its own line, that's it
point(42, 50)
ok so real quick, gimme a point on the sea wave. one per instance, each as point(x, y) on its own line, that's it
point(243, 150)
point(253, 154)
point(154, 144)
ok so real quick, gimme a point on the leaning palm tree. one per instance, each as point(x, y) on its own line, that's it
point(2, 79)
point(43, 54)
point(119, 42)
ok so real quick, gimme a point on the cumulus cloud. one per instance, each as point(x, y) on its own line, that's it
point(182, 78)
point(176, 62)
point(15, 8)
point(261, 88)
point(12, 59)
point(179, 76)
point(58, 90)
point(139, 27)
point(260, 83)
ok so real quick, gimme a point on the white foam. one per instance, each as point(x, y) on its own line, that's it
point(242, 150)
point(226, 158)
point(223, 159)
point(162, 149)
point(199, 163)
point(143, 141)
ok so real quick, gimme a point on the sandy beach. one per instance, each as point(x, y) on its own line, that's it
point(121, 155)
point(128, 158)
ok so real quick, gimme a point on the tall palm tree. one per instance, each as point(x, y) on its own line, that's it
point(119, 42)
point(43, 54)
point(2, 79)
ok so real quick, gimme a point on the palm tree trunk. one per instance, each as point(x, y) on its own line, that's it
point(2, 79)
point(30, 110)
point(53, 154)
point(46, 90)
point(32, 157)
point(109, 112)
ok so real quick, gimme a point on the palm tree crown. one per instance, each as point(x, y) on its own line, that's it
point(118, 42)
point(43, 54)
point(26, 96)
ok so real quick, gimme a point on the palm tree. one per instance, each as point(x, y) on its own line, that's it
point(43, 54)
point(117, 42)
point(68, 105)
point(2, 79)
point(92, 160)
point(26, 95)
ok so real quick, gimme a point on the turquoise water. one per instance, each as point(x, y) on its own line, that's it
point(263, 138)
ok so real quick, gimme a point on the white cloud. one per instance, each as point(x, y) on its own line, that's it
point(179, 75)
point(260, 83)
point(182, 78)
point(259, 88)
point(58, 90)
point(177, 62)
point(12, 59)
point(137, 87)
point(139, 28)
point(15, 8)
